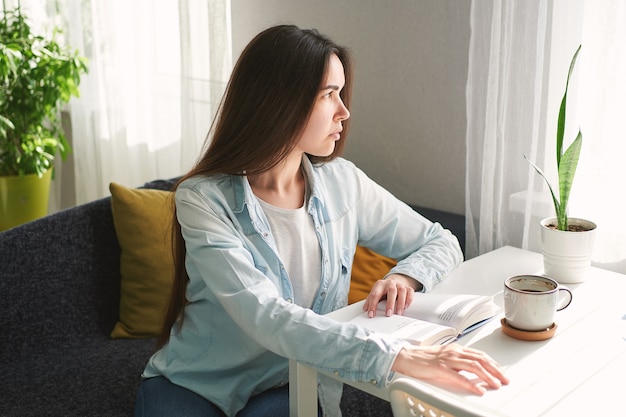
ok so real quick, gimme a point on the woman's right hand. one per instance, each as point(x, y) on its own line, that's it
point(444, 363)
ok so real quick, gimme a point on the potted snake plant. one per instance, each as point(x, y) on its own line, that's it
point(567, 242)
point(37, 75)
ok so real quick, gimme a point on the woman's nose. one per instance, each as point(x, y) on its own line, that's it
point(343, 113)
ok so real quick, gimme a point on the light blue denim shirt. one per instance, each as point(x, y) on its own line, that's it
point(241, 325)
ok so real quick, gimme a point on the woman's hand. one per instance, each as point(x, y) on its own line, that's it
point(444, 363)
point(397, 289)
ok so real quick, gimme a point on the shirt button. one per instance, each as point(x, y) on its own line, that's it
point(373, 382)
point(289, 300)
point(336, 373)
point(323, 294)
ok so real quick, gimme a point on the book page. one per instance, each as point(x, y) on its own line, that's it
point(460, 311)
point(416, 331)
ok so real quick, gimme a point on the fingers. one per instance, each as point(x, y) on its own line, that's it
point(392, 293)
point(404, 298)
point(449, 363)
point(483, 366)
point(460, 381)
point(475, 368)
point(376, 294)
point(478, 363)
point(397, 289)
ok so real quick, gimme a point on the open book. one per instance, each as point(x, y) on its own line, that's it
point(433, 319)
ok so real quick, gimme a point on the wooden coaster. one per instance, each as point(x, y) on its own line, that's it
point(526, 335)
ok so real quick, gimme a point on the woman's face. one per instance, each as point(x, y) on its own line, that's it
point(325, 124)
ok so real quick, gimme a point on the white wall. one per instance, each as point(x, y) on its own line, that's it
point(408, 112)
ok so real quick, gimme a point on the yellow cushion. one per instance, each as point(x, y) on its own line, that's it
point(367, 268)
point(142, 219)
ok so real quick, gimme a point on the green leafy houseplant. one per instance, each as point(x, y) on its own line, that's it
point(37, 75)
point(566, 161)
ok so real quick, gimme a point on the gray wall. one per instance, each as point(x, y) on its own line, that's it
point(408, 112)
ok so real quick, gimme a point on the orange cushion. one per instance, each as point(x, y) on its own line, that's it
point(367, 268)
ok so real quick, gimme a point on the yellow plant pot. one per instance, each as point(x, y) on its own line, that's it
point(23, 199)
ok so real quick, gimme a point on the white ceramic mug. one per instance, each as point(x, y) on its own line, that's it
point(531, 301)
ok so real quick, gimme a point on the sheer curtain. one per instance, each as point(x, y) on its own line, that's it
point(157, 73)
point(518, 62)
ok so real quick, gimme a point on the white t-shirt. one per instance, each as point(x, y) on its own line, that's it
point(298, 248)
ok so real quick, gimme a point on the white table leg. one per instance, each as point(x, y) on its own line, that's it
point(302, 390)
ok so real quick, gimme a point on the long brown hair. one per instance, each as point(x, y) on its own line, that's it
point(268, 100)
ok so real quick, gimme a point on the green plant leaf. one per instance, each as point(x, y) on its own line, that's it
point(37, 75)
point(567, 170)
point(560, 129)
point(566, 162)
point(5, 124)
point(555, 200)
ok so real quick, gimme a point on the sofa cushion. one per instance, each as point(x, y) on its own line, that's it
point(142, 218)
point(367, 267)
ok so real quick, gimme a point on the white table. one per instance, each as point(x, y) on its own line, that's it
point(580, 371)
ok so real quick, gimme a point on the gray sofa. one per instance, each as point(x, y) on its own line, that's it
point(59, 300)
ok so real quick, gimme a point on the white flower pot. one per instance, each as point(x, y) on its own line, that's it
point(567, 255)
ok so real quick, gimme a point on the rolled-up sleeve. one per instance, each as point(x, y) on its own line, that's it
point(424, 250)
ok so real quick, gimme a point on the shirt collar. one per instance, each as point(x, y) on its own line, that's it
point(315, 186)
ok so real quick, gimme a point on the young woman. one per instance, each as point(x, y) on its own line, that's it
point(266, 227)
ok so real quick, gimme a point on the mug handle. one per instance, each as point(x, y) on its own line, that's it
point(569, 298)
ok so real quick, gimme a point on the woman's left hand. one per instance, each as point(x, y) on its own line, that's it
point(397, 289)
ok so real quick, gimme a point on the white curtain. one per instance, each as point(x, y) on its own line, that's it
point(518, 62)
point(157, 73)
